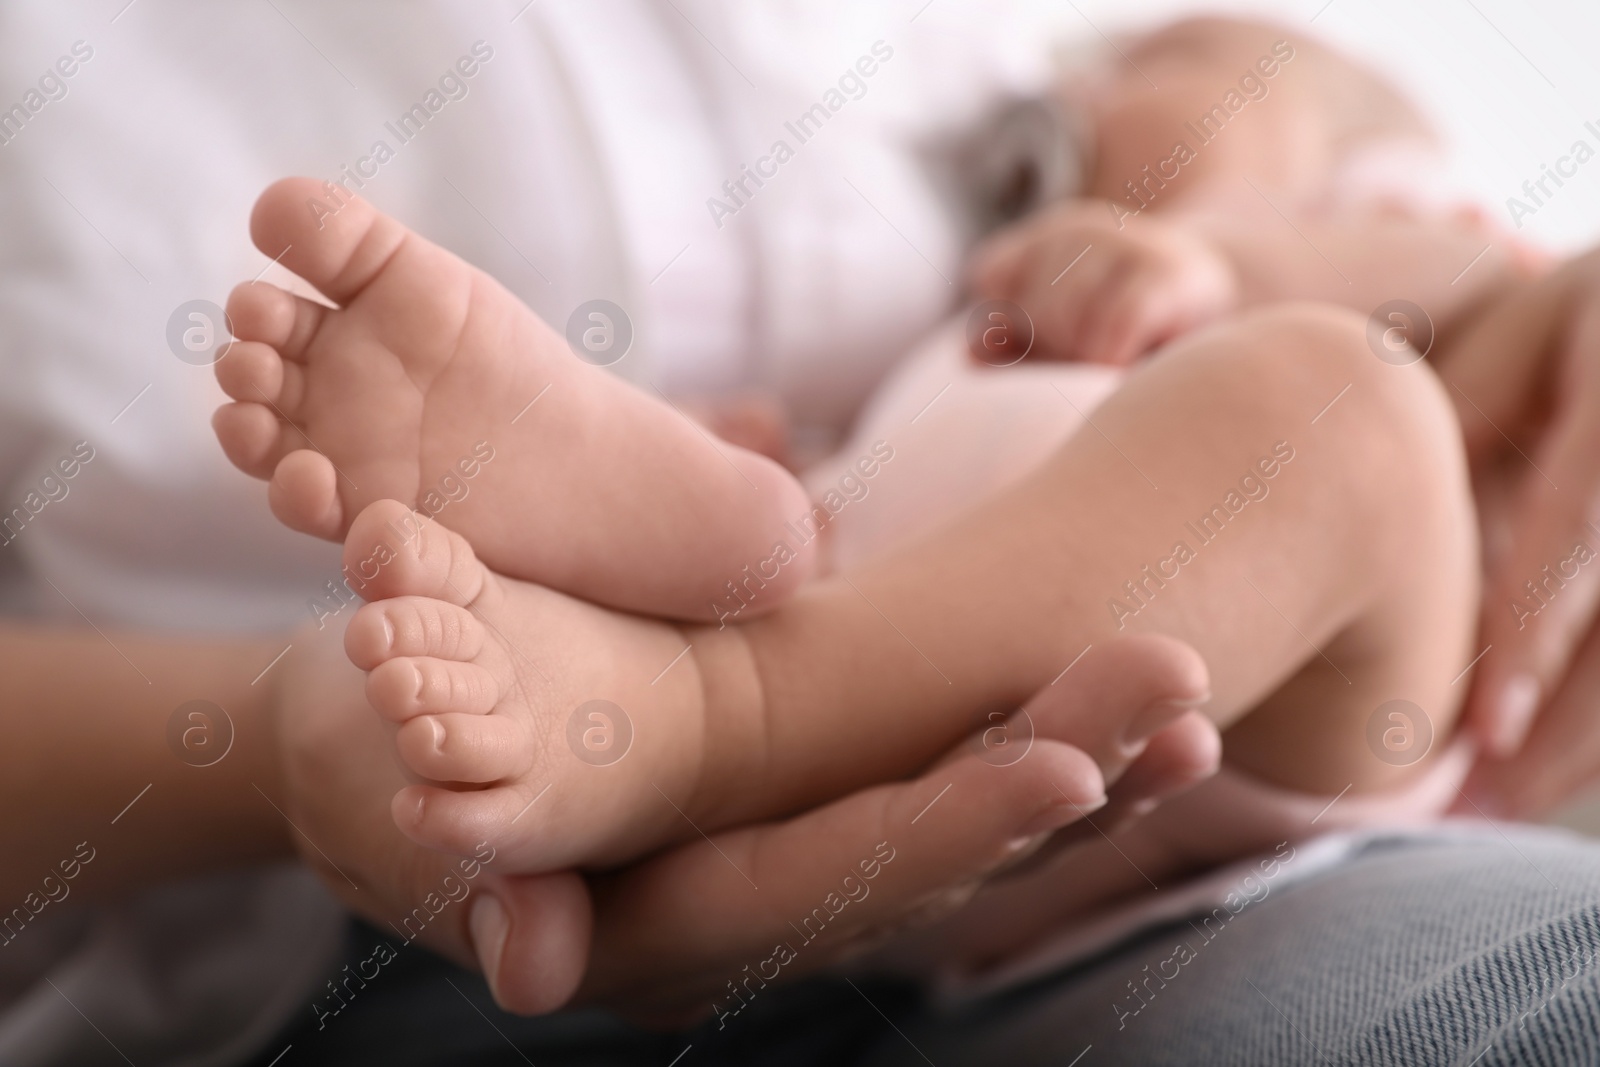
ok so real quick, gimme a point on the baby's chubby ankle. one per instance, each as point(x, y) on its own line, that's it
point(733, 781)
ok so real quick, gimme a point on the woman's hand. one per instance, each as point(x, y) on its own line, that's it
point(1526, 381)
point(670, 932)
point(1560, 757)
point(339, 776)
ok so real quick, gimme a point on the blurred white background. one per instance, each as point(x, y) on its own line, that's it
point(1509, 82)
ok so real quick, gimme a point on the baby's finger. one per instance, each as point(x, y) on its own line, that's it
point(1062, 303)
point(1138, 312)
point(995, 268)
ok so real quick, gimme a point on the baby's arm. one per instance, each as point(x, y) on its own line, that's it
point(1101, 292)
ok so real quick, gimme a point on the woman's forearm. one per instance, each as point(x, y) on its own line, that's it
point(87, 767)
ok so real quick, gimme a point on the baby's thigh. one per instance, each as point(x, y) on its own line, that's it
point(941, 434)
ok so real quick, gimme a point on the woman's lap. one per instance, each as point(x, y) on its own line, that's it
point(422, 1011)
point(1410, 953)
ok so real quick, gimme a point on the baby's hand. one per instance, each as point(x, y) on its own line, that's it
point(1103, 291)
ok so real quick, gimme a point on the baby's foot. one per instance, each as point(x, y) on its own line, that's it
point(432, 385)
point(1104, 289)
point(542, 724)
point(564, 734)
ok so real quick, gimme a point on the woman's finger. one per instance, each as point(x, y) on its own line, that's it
point(1178, 758)
point(689, 921)
point(1542, 595)
point(1111, 702)
point(1560, 758)
point(1492, 391)
point(769, 902)
point(1079, 869)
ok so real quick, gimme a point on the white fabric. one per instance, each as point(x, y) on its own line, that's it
point(578, 165)
point(961, 431)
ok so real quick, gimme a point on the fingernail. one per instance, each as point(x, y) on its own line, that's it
point(1131, 814)
point(1058, 815)
point(1022, 843)
point(1519, 698)
point(1157, 716)
point(489, 927)
point(1144, 807)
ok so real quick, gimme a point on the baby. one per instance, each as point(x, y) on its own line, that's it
point(1267, 490)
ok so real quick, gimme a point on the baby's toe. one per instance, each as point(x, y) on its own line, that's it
point(261, 312)
point(254, 372)
point(336, 244)
point(465, 748)
point(460, 820)
point(404, 688)
point(408, 626)
point(253, 437)
point(408, 555)
point(304, 493)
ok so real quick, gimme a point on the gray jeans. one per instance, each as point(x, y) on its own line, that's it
point(1411, 953)
point(1408, 954)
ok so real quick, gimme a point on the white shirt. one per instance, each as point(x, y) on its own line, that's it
point(582, 162)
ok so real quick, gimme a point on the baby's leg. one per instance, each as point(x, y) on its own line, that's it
point(1266, 490)
point(1328, 566)
point(1009, 423)
point(432, 385)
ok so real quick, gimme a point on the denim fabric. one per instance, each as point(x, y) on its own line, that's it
point(423, 1011)
point(1411, 954)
